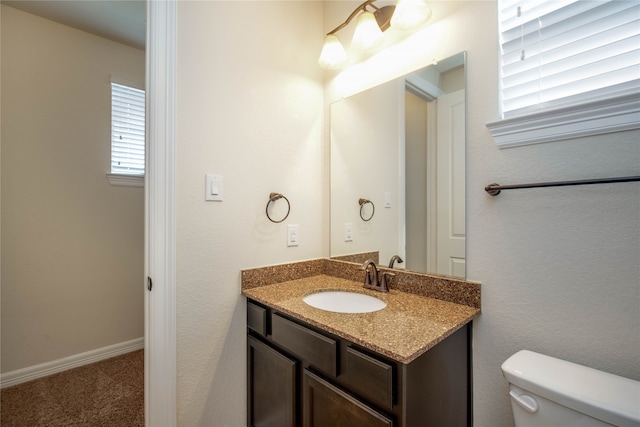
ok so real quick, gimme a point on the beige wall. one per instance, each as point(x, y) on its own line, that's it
point(249, 108)
point(558, 266)
point(72, 244)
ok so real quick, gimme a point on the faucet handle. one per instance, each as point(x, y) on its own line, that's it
point(384, 286)
point(367, 277)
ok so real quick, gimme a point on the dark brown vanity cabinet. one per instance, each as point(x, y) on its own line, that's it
point(325, 405)
point(273, 386)
point(299, 375)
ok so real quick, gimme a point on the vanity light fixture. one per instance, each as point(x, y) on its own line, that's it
point(410, 14)
point(368, 34)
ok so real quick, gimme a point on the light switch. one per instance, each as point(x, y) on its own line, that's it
point(387, 199)
point(213, 188)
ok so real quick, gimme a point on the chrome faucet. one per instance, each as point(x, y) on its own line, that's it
point(371, 277)
point(394, 259)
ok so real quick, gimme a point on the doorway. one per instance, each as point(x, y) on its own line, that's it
point(72, 244)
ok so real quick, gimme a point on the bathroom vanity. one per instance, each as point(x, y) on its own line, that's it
point(408, 364)
point(302, 375)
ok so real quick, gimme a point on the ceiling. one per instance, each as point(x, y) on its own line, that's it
point(123, 21)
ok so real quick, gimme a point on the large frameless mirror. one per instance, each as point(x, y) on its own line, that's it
point(398, 171)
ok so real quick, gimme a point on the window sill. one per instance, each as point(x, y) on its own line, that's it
point(126, 180)
point(593, 118)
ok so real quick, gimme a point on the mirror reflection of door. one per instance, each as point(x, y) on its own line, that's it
point(450, 218)
point(401, 144)
point(435, 180)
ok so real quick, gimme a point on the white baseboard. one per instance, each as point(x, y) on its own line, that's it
point(38, 371)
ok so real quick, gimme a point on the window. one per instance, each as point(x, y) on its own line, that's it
point(568, 68)
point(127, 133)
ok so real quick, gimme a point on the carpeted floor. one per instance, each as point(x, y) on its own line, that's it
point(106, 393)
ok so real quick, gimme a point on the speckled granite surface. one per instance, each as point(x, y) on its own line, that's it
point(361, 258)
point(439, 287)
point(262, 276)
point(407, 327)
point(426, 285)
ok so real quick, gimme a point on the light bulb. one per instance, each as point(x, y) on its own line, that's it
point(410, 14)
point(333, 54)
point(367, 35)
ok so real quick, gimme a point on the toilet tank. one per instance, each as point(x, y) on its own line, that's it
point(550, 392)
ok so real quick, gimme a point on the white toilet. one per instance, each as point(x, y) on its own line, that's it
point(549, 392)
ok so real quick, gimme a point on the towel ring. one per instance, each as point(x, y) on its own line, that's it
point(363, 202)
point(272, 198)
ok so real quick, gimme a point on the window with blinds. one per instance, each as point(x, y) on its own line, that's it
point(563, 52)
point(568, 69)
point(127, 130)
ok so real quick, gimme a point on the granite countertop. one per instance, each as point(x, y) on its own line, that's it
point(405, 329)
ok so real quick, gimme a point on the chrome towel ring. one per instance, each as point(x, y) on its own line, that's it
point(363, 202)
point(272, 198)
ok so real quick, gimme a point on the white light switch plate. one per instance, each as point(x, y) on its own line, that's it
point(213, 188)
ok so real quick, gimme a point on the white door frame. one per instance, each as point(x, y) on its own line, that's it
point(160, 239)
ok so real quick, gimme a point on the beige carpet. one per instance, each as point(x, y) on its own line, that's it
point(106, 393)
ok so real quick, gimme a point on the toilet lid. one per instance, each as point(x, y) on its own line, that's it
point(601, 395)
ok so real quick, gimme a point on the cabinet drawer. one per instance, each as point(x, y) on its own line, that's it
point(371, 378)
point(325, 405)
point(257, 318)
point(318, 350)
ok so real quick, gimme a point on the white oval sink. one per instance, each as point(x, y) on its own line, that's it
point(344, 302)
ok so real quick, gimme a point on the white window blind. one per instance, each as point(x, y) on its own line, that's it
point(127, 130)
point(565, 52)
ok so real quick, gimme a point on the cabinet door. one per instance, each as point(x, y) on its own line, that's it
point(325, 405)
point(371, 378)
point(271, 388)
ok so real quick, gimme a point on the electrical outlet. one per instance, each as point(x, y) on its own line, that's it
point(348, 232)
point(292, 234)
